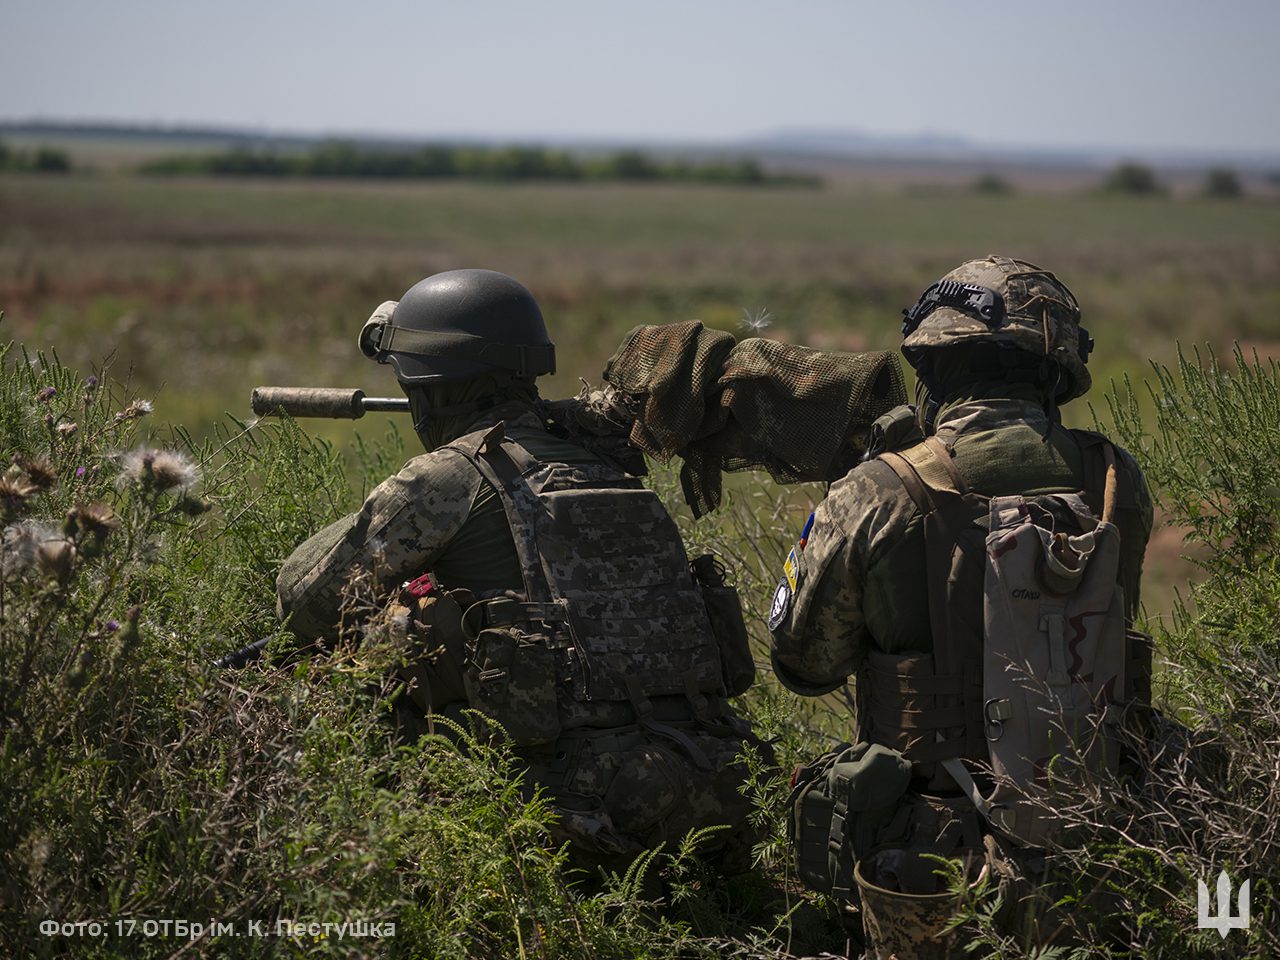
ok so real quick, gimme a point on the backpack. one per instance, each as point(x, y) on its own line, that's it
point(1032, 664)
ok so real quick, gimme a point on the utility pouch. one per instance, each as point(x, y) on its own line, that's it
point(845, 805)
point(809, 825)
point(434, 673)
point(724, 610)
point(511, 677)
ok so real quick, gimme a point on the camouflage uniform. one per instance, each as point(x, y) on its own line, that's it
point(864, 595)
point(619, 787)
point(861, 577)
point(435, 514)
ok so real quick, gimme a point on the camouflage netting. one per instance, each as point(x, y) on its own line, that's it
point(801, 414)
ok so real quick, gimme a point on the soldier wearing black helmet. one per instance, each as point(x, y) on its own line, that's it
point(895, 582)
point(554, 585)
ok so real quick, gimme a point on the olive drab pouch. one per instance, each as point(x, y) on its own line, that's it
point(844, 805)
point(511, 678)
point(724, 610)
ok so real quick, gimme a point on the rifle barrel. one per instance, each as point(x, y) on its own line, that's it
point(245, 655)
point(329, 402)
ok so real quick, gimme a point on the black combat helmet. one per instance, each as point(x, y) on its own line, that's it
point(458, 324)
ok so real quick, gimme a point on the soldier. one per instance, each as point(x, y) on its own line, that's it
point(899, 581)
point(559, 593)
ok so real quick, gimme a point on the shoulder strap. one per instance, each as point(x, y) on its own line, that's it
point(934, 484)
point(925, 469)
point(1100, 474)
point(930, 477)
point(506, 465)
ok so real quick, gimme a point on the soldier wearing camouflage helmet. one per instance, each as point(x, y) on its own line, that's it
point(890, 584)
point(552, 586)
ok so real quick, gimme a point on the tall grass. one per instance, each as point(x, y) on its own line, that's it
point(138, 783)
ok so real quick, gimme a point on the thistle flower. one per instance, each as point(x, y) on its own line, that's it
point(68, 429)
point(47, 394)
point(158, 470)
point(15, 490)
point(90, 383)
point(18, 546)
point(128, 634)
point(31, 544)
point(95, 519)
point(55, 557)
point(135, 409)
point(40, 471)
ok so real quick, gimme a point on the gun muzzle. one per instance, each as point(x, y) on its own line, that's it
point(245, 655)
point(334, 403)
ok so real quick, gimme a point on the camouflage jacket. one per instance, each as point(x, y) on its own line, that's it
point(860, 571)
point(436, 514)
point(439, 514)
point(623, 776)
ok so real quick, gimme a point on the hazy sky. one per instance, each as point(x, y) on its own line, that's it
point(1146, 74)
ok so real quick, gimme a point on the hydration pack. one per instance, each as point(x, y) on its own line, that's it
point(1032, 664)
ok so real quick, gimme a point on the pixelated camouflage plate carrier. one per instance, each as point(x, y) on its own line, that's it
point(610, 611)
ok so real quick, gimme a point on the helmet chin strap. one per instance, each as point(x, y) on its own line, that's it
point(926, 405)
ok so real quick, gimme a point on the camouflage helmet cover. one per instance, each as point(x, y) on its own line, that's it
point(1040, 315)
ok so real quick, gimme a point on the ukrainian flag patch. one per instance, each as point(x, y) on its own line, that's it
point(792, 570)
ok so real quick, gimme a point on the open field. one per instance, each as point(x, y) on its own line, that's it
point(222, 284)
point(206, 288)
point(139, 782)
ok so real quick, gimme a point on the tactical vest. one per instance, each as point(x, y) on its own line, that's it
point(1030, 648)
point(610, 612)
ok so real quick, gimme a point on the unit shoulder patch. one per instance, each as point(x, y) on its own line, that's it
point(781, 604)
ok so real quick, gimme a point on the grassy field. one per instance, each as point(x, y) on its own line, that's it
point(274, 793)
point(206, 288)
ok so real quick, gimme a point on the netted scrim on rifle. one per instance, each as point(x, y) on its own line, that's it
point(800, 413)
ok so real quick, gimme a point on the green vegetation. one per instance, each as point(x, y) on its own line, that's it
point(992, 183)
point(1135, 179)
point(203, 288)
point(1223, 183)
point(39, 160)
point(467, 163)
point(135, 781)
point(138, 782)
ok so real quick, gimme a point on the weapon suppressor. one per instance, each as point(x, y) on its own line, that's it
point(333, 403)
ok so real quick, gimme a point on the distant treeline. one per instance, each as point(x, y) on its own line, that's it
point(469, 163)
point(41, 159)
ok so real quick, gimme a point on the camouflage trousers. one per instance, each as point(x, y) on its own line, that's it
point(622, 791)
